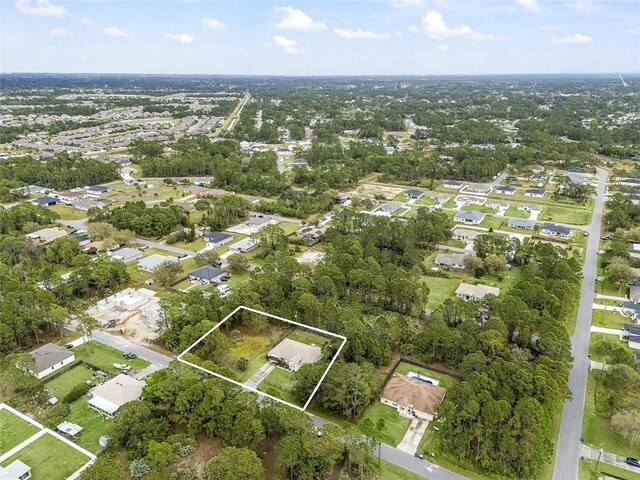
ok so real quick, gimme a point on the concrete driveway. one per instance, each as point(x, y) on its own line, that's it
point(260, 375)
point(414, 434)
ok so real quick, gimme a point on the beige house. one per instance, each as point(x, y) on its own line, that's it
point(46, 235)
point(112, 394)
point(475, 292)
point(412, 397)
point(294, 354)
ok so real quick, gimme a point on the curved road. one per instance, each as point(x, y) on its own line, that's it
point(569, 445)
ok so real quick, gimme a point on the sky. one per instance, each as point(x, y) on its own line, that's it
point(321, 37)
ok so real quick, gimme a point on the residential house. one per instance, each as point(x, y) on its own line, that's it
point(524, 207)
point(450, 260)
point(127, 254)
point(632, 332)
point(245, 245)
point(113, 394)
point(414, 194)
point(521, 223)
point(46, 235)
point(150, 263)
point(469, 200)
point(81, 237)
point(469, 217)
point(534, 192)
point(31, 190)
point(217, 239)
point(505, 190)
point(440, 198)
point(311, 234)
point(475, 292)
point(258, 222)
point(294, 354)
point(629, 182)
point(49, 358)
point(466, 235)
point(631, 309)
point(634, 250)
point(634, 291)
point(454, 184)
point(300, 162)
point(16, 470)
point(87, 204)
point(69, 197)
point(388, 209)
point(207, 274)
point(45, 201)
point(412, 397)
point(553, 230)
point(497, 204)
point(98, 190)
point(479, 188)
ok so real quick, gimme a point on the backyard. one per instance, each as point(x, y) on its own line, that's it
point(440, 289)
point(94, 425)
point(13, 430)
point(68, 213)
point(49, 458)
point(308, 337)
point(446, 381)
point(103, 357)
point(572, 215)
point(64, 383)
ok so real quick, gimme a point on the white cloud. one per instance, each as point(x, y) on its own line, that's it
point(531, 5)
point(298, 20)
point(585, 7)
point(436, 28)
point(406, 3)
point(59, 32)
point(184, 38)
point(444, 48)
point(576, 39)
point(213, 24)
point(351, 34)
point(115, 32)
point(41, 8)
point(632, 31)
point(87, 22)
point(289, 46)
point(413, 29)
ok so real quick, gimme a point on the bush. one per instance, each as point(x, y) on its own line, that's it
point(242, 364)
point(182, 444)
point(139, 468)
point(75, 393)
point(183, 474)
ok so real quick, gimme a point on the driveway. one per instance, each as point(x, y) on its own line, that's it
point(260, 375)
point(414, 434)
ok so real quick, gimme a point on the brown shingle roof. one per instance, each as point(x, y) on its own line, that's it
point(407, 391)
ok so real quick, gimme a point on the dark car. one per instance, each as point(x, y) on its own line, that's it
point(111, 324)
point(69, 345)
point(183, 255)
point(418, 455)
point(129, 355)
point(634, 462)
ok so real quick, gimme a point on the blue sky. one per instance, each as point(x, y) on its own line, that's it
point(322, 37)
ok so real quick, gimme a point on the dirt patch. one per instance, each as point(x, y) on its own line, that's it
point(207, 449)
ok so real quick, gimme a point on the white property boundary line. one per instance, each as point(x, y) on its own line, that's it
point(43, 431)
point(255, 390)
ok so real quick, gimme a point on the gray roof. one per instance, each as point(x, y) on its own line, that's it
point(49, 355)
point(534, 191)
point(208, 272)
point(99, 188)
point(299, 353)
point(505, 188)
point(521, 223)
point(215, 237)
point(127, 254)
point(469, 215)
point(390, 207)
point(557, 229)
point(414, 192)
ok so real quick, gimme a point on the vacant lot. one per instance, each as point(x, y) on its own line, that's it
point(49, 458)
point(250, 345)
point(479, 208)
point(63, 384)
point(599, 345)
point(13, 430)
point(104, 357)
point(389, 471)
point(68, 213)
point(572, 215)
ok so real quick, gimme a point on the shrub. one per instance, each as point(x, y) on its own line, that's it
point(75, 393)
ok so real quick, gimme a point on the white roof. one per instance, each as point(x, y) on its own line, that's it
point(14, 470)
point(245, 243)
point(116, 392)
point(104, 405)
point(154, 261)
point(69, 428)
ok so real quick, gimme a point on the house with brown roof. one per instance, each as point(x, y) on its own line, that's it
point(294, 354)
point(467, 291)
point(412, 397)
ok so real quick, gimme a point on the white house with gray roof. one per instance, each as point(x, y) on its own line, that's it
point(469, 217)
point(49, 358)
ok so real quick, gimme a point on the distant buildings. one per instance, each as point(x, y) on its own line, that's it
point(453, 184)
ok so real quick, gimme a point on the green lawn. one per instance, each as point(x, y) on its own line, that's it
point(479, 208)
point(513, 211)
point(68, 213)
point(49, 458)
point(597, 430)
point(451, 203)
point(446, 381)
point(238, 278)
point(605, 287)
point(13, 430)
point(588, 468)
point(289, 227)
point(395, 425)
point(425, 200)
point(94, 425)
point(389, 471)
point(573, 215)
point(599, 353)
point(63, 384)
point(279, 383)
point(197, 244)
point(440, 289)
point(493, 222)
point(608, 319)
point(308, 337)
point(103, 357)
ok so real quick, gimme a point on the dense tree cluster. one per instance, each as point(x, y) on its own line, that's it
point(146, 221)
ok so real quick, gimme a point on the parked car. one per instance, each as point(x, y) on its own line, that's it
point(634, 462)
point(110, 324)
point(182, 255)
point(418, 455)
point(68, 345)
point(129, 355)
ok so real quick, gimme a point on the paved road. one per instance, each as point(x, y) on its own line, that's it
point(569, 445)
point(164, 246)
point(606, 457)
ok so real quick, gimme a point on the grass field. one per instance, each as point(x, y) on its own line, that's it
point(608, 319)
point(289, 227)
point(493, 222)
point(308, 337)
point(605, 287)
point(94, 425)
point(600, 354)
point(253, 347)
point(597, 430)
point(440, 289)
point(279, 383)
point(63, 384)
point(389, 471)
point(479, 208)
point(68, 213)
point(13, 430)
point(588, 469)
point(446, 381)
point(104, 357)
point(395, 425)
point(573, 215)
point(49, 458)
point(513, 211)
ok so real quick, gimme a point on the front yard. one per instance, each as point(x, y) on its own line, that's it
point(103, 357)
point(395, 426)
point(608, 319)
point(279, 383)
